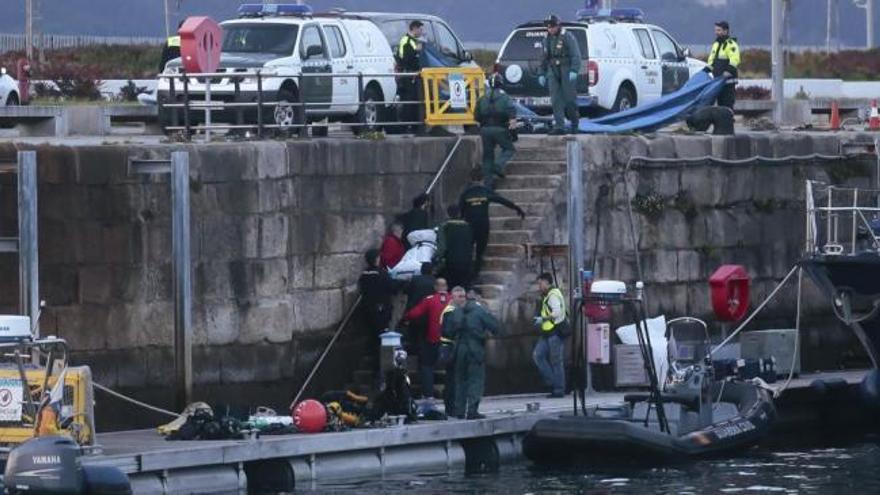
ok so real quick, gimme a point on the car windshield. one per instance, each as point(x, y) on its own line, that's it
point(525, 44)
point(279, 39)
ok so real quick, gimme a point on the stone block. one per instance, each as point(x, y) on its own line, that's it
point(85, 327)
point(207, 366)
point(212, 280)
point(274, 231)
point(317, 310)
point(270, 277)
point(238, 197)
point(139, 325)
point(159, 366)
point(692, 146)
point(667, 299)
point(721, 228)
point(661, 147)
point(59, 284)
point(689, 267)
point(101, 165)
point(56, 165)
point(277, 195)
point(95, 284)
point(351, 233)
point(302, 272)
point(704, 184)
point(261, 362)
point(224, 163)
point(268, 320)
point(739, 184)
point(334, 271)
point(673, 230)
point(241, 280)
point(271, 160)
point(221, 325)
point(661, 266)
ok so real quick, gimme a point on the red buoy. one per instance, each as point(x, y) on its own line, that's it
point(310, 416)
point(729, 287)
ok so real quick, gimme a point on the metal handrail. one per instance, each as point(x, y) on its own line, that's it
point(345, 321)
point(834, 216)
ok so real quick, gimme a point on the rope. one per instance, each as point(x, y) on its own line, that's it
point(797, 336)
point(756, 311)
point(135, 401)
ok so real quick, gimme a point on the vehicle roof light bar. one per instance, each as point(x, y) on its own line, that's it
point(274, 10)
point(620, 15)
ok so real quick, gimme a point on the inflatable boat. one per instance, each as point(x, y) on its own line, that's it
point(691, 415)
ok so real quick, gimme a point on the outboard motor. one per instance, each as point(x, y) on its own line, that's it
point(51, 465)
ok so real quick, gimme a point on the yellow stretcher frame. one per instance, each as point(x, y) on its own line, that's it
point(437, 111)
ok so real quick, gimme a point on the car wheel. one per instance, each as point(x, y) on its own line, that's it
point(289, 115)
point(626, 99)
point(370, 113)
point(12, 100)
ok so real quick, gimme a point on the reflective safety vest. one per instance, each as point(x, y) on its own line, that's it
point(403, 42)
point(548, 325)
point(173, 41)
point(448, 309)
point(724, 56)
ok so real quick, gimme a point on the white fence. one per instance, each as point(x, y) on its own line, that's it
point(13, 42)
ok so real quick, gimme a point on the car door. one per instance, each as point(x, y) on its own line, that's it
point(317, 92)
point(674, 63)
point(448, 45)
point(647, 68)
point(345, 92)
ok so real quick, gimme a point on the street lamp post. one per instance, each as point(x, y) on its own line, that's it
point(778, 63)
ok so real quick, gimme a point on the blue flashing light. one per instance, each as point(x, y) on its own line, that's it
point(623, 15)
point(273, 9)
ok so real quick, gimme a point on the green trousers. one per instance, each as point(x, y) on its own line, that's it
point(563, 97)
point(493, 136)
point(470, 377)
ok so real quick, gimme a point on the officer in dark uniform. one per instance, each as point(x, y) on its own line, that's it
point(455, 249)
point(496, 114)
point(724, 59)
point(560, 69)
point(376, 289)
point(408, 54)
point(171, 50)
point(469, 324)
point(474, 203)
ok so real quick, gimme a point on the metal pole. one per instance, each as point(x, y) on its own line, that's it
point(576, 198)
point(28, 257)
point(29, 29)
point(181, 272)
point(778, 62)
point(167, 19)
point(869, 19)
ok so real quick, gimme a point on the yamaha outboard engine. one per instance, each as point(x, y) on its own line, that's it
point(51, 465)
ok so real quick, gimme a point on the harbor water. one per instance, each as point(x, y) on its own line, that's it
point(848, 465)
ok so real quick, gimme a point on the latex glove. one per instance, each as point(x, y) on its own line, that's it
point(727, 75)
point(572, 76)
point(542, 81)
point(538, 321)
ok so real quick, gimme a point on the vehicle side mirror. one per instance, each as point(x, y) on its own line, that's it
point(669, 57)
point(686, 53)
point(314, 51)
point(468, 56)
point(3, 70)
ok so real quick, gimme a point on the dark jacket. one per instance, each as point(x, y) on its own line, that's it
point(376, 287)
point(455, 243)
point(407, 55)
point(469, 327)
point(495, 108)
point(419, 287)
point(474, 203)
point(561, 55)
point(414, 219)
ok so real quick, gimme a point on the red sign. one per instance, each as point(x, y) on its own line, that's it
point(201, 40)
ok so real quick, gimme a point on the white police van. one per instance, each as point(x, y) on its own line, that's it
point(290, 41)
point(626, 61)
point(8, 89)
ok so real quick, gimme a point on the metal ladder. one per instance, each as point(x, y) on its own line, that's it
point(25, 244)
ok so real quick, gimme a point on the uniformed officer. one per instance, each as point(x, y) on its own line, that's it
point(171, 50)
point(474, 204)
point(496, 114)
point(560, 67)
point(724, 59)
point(455, 249)
point(470, 324)
point(408, 55)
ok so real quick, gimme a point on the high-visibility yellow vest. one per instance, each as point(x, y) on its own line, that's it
point(448, 309)
point(403, 42)
point(727, 50)
point(173, 41)
point(548, 325)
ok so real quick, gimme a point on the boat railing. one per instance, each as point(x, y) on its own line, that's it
point(841, 221)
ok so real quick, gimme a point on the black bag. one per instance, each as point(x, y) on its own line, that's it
point(563, 329)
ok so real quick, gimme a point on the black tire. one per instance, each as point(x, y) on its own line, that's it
point(287, 115)
point(12, 100)
point(626, 99)
point(372, 113)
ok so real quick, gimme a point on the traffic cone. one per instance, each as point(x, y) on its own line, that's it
point(874, 121)
point(835, 116)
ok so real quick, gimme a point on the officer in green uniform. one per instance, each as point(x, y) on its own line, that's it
point(474, 203)
point(497, 117)
point(724, 59)
point(171, 50)
point(470, 324)
point(455, 249)
point(560, 69)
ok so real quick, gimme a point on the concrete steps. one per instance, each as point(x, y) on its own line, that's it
point(529, 195)
point(505, 250)
point(515, 223)
point(511, 237)
point(541, 153)
point(500, 263)
point(532, 181)
point(533, 168)
point(532, 209)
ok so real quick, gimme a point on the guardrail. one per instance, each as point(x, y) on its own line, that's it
point(180, 100)
point(841, 221)
point(18, 42)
